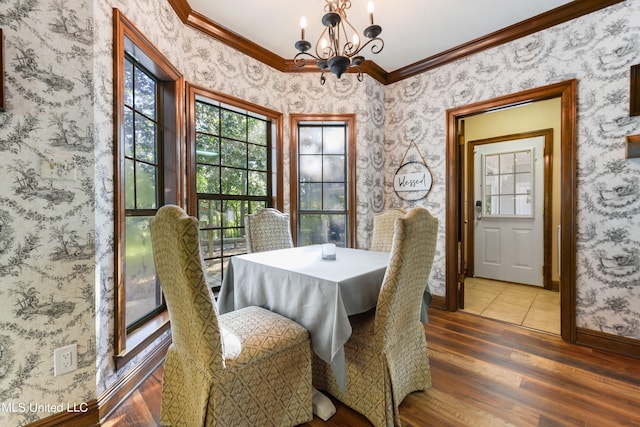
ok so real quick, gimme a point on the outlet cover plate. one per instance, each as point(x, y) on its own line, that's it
point(65, 359)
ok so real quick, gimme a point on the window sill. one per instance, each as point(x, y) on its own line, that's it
point(140, 339)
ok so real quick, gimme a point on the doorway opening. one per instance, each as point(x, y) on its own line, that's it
point(512, 209)
point(456, 238)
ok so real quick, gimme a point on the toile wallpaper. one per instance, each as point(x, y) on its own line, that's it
point(597, 50)
point(47, 224)
point(56, 196)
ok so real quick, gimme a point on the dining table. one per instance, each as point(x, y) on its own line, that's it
point(320, 294)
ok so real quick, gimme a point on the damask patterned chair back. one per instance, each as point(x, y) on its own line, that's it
point(267, 230)
point(386, 354)
point(216, 365)
point(383, 227)
point(194, 321)
point(397, 320)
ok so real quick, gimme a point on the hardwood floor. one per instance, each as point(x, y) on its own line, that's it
point(484, 373)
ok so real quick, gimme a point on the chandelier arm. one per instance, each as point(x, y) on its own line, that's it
point(319, 52)
point(333, 42)
point(299, 60)
point(374, 48)
point(349, 48)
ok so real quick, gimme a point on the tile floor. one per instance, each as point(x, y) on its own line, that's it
point(528, 306)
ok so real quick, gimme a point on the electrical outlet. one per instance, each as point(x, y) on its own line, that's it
point(65, 359)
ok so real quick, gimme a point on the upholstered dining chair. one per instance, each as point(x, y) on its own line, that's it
point(248, 367)
point(383, 226)
point(386, 354)
point(267, 230)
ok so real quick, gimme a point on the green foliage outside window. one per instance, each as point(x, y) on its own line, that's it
point(232, 179)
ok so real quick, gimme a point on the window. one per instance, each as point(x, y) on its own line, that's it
point(508, 184)
point(233, 166)
point(142, 180)
point(147, 147)
point(323, 179)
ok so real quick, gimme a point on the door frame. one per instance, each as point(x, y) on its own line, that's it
point(567, 92)
point(547, 197)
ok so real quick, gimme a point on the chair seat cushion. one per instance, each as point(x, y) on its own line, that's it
point(253, 333)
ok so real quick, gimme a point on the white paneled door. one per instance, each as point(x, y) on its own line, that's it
point(509, 206)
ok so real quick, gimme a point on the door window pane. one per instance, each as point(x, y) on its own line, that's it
point(523, 183)
point(508, 183)
point(492, 165)
point(523, 162)
point(491, 205)
point(523, 205)
point(491, 184)
point(507, 205)
point(506, 163)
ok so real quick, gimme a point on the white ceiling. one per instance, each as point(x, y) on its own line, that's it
point(412, 30)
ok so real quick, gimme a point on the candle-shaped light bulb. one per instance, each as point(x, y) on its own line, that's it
point(323, 44)
point(370, 8)
point(356, 39)
point(303, 25)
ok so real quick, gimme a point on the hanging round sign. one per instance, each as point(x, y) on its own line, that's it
point(412, 181)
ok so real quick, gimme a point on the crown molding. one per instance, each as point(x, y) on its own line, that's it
point(201, 23)
point(556, 16)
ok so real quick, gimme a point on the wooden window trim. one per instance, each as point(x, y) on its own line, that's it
point(127, 36)
point(350, 120)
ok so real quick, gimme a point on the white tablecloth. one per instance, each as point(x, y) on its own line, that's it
point(318, 294)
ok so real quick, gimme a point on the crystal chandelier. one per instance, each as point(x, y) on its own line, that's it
point(338, 46)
